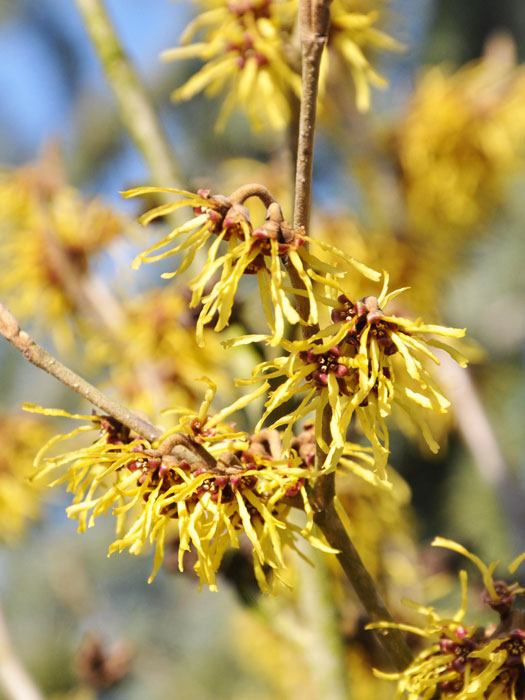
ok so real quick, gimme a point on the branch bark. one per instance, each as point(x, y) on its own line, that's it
point(39, 357)
point(314, 22)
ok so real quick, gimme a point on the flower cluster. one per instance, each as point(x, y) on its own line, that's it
point(202, 481)
point(364, 364)
point(244, 54)
point(249, 52)
point(468, 662)
point(239, 249)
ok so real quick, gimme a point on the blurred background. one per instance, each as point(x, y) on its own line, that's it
point(67, 606)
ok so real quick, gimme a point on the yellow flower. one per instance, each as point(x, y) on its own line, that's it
point(244, 56)
point(249, 52)
point(48, 232)
point(363, 364)
point(19, 499)
point(389, 353)
point(461, 141)
point(153, 489)
point(353, 35)
point(445, 169)
point(468, 662)
point(238, 249)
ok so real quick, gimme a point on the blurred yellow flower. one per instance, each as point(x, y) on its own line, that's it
point(19, 499)
point(460, 141)
point(443, 170)
point(245, 56)
point(353, 36)
point(162, 359)
point(48, 232)
point(381, 521)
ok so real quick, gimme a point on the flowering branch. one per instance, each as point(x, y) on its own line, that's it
point(137, 112)
point(314, 22)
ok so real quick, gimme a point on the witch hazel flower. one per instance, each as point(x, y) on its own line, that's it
point(234, 248)
point(364, 364)
point(243, 53)
point(228, 487)
point(467, 662)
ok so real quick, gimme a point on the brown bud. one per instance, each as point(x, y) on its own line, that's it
point(101, 666)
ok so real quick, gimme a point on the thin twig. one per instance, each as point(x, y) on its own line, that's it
point(14, 679)
point(314, 25)
point(314, 20)
point(39, 357)
point(180, 445)
point(313, 29)
point(136, 110)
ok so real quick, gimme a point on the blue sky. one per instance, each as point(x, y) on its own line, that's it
point(37, 101)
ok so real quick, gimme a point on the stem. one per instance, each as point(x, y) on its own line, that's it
point(14, 679)
point(314, 20)
point(326, 518)
point(39, 357)
point(253, 189)
point(136, 110)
